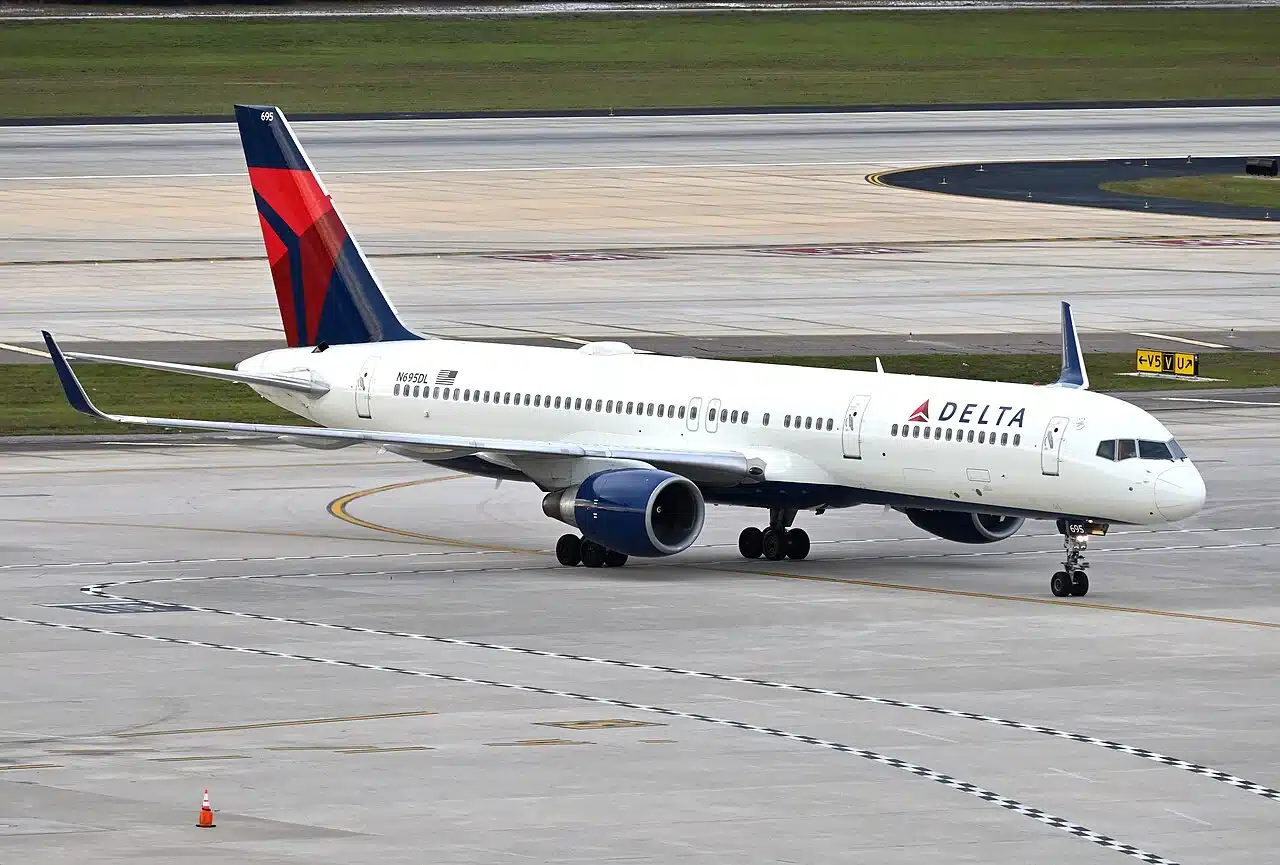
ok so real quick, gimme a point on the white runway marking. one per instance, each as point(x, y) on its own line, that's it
point(1218, 401)
point(1040, 816)
point(405, 555)
point(475, 169)
point(1181, 339)
point(101, 591)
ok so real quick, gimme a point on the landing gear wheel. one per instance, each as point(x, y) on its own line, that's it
point(1060, 585)
point(569, 550)
point(775, 545)
point(614, 560)
point(1079, 584)
point(751, 543)
point(593, 555)
point(797, 544)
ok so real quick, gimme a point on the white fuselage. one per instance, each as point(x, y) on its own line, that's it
point(832, 438)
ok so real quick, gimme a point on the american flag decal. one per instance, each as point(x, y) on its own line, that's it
point(447, 376)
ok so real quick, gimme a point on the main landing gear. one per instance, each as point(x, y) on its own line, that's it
point(1073, 581)
point(778, 541)
point(572, 550)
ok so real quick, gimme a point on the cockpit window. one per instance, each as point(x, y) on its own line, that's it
point(1127, 449)
point(1154, 451)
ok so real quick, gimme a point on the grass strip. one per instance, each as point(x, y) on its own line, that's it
point(34, 403)
point(1240, 189)
point(180, 67)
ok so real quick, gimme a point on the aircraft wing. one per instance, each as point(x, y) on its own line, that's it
point(309, 386)
point(729, 464)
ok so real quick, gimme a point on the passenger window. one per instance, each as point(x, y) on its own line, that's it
point(764, 421)
point(537, 400)
point(937, 433)
point(1154, 451)
point(557, 402)
point(577, 404)
point(808, 423)
point(661, 410)
point(649, 411)
point(455, 393)
point(893, 430)
point(926, 432)
point(948, 433)
point(970, 437)
point(982, 434)
point(724, 415)
point(744, 417)
point(526, 399)
point(693, 413)
point(786, 421)
point(915, 432)
point(681, 412)
point(1004, 439)
point(599, 403)
point(1017, 439)
point(395, 391)
point(1107, 449)
point(506, 398)
point(486, 395)
point(733, 416)
point(436, 394)
point(1126, 449)
point(608, 407)
point(630, 406)
point(830, 424)
point(671, 411)
point(446, 393)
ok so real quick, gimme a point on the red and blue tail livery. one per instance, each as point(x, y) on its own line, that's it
point(326, 290)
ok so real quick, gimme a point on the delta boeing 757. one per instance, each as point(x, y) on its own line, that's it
point(629, 447)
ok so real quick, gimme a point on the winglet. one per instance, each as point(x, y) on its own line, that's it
point(70, 384)
point(1073, 372)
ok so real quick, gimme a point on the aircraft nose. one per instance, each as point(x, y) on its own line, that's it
point(1179, 492)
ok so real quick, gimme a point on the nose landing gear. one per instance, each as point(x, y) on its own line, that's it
point(1073, 581)
point(778, 541)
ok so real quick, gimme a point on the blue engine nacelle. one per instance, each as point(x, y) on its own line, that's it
point(965, 528)
point(639, 512)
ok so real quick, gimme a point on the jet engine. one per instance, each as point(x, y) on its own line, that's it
point(965, 528)
point(636, 511)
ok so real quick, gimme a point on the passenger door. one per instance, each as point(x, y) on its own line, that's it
point(851, 431)
point(364, 388)
point(1051, 445)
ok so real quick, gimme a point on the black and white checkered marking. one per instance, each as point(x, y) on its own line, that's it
point(1005, 802)
point(101, 590)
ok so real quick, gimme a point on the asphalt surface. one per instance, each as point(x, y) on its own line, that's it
point(1078, 183)
point(418, 680)
point(655, 228)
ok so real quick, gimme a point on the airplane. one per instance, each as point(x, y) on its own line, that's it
point(629, 447)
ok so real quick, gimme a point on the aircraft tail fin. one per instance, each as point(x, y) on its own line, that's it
point(1073, 372)
point(326, 289)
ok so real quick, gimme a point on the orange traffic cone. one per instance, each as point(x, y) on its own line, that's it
point(206, 814)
